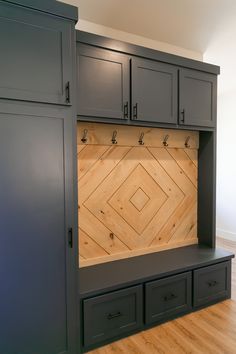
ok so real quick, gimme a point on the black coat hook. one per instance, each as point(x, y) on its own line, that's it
point(141, 142)
point(84, 138)
point(186, 142)
point(165, 140)
point(113, 140)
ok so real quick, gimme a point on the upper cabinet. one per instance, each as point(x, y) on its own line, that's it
point(197, 98)
point(125, 83)
point(154, 91)
point(36, 56)
point(103, 83)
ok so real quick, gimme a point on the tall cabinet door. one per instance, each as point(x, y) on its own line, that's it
point(103, 83)
point(154, 91)
point(35, 60)
point(197, 98)
point(36, 262)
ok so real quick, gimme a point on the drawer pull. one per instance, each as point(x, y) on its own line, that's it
point(114, 315)
point(212, 283)
point(170, 297)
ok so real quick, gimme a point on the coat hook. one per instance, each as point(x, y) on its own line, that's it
point(186, 142)
point(165, 140)
point(113, 140)
point(84, 138)
point(141, 142)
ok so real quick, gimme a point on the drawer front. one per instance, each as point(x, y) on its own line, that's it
point(168, 297)
point(211, 283)
point(110, 315)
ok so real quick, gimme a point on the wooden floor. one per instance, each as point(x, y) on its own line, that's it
point(211, 330)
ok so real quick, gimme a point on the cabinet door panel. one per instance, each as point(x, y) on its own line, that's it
point(35, 61)
point(154, 91)
point(212, 284)
point(168, 297)
point(197, 98)
point(103, 83)
point(112, 314)
point(34, 256)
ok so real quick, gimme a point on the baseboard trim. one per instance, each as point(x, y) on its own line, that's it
point(226, 234)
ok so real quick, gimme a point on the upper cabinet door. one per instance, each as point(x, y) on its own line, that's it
point(197, 98)
point(154, 91)
point(35, 60)
point(103, 83)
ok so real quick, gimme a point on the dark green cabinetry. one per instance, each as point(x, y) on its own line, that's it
point(37, 195)
point(103, 83)
point(168, 297)
point(165, 285)
point(110, 315)
point(114, 85)
point(197, 98)
point(154, 91)
point(36, 55)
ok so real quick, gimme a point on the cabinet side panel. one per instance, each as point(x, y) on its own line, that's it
point(32, 221)
point(207, 188)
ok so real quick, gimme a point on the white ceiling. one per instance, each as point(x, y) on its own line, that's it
point(189, 24)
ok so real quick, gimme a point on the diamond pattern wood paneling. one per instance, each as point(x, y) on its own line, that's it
point(134, 200)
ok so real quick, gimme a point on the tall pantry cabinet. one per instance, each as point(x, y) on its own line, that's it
point(38, 262)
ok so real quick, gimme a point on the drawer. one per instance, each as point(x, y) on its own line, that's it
point(168, 297)
point(211, 283)
point(110, 315)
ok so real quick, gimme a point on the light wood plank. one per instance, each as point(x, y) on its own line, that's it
point(135, 199)
point(101, 134)
point(132, 253)
point(88, 247)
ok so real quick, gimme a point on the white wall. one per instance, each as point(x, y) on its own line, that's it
point(222, 51)
point(91, 27)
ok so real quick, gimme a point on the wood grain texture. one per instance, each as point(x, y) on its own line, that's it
point(101, 134)
point(208, 331)
point(135, 199)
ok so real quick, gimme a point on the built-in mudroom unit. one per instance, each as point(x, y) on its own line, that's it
point(146, 150)
point(107, 185)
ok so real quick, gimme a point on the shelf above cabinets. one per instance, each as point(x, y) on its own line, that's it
point(114, 86)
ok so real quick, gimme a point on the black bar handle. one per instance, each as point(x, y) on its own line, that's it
point(135, 111)
point(170, 297)
point(182, 112)
point(70, 237)
point(114, 315)
point(67, 92)
point(126, 110)
point(212, 283)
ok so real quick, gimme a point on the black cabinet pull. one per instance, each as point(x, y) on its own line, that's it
point(68, 92)
point(114, 315)
point(135, 111)
point(170, 297)
point(70, 237)
point(182, 116)
point(212, 283)
point(126, 110)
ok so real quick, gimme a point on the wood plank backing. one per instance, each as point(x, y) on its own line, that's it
point(135, 199)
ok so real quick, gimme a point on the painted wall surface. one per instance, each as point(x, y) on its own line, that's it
point(222, 51)
point(91, 27)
